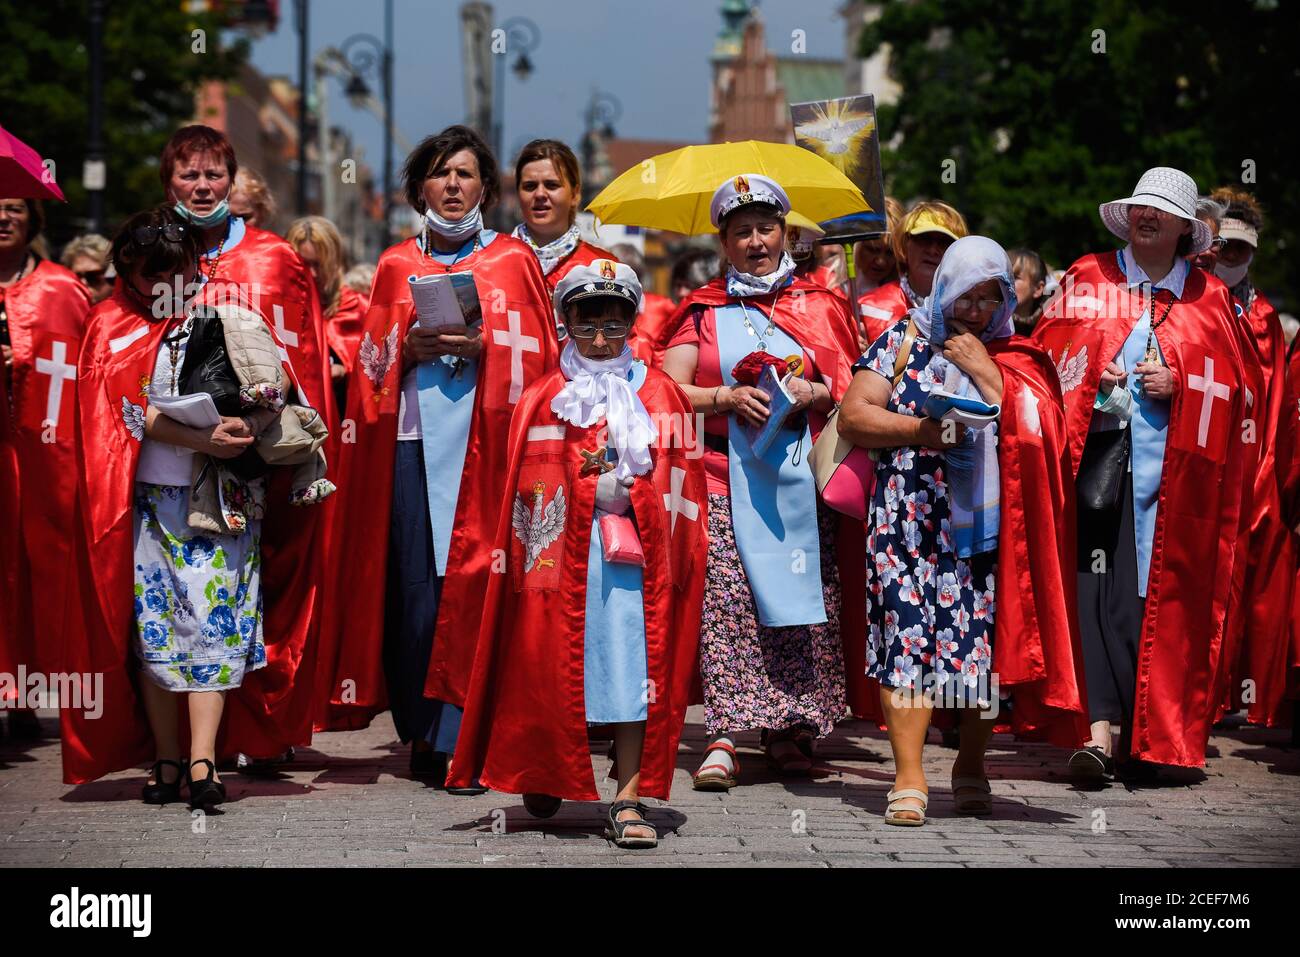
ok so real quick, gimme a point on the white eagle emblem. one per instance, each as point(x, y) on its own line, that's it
point(133, 419)
point(539, 529)
point(1071, 370)
point(376, 360)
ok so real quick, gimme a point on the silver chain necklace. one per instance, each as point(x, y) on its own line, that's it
point(771, 323)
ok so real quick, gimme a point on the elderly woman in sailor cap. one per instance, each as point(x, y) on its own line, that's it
point(770, 653)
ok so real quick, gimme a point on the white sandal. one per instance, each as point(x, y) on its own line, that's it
point(896, 799)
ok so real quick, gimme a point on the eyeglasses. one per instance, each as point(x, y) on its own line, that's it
point(93, 276)
point(1218, 242)
point(610, 330)
point(983, 305)
point(148, 235)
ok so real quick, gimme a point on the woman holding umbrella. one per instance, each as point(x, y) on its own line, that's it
point(770, 655)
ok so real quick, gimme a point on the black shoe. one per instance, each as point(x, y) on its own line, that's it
point(470, 790)
point(163, 792)
point(429, 765)
point(541, 805)
point(262, 767)
point(1091, 764)
point(24, 725)
point(207, 792)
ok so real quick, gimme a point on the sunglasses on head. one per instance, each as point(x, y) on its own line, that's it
point(148, 235)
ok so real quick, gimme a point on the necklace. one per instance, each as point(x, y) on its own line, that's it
point(771, 323)
point(1151, 354)
point(447, 267)
point(212, 270)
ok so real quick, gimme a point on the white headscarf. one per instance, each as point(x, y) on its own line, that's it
point(974, 470)
point(599, 388)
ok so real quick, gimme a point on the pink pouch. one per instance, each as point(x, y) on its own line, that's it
point(619, 540)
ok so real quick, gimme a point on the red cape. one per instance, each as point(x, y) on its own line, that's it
point(822, 276)
point(350, 675)
point(47, 314)
point(647, 339)
point(1197, 523)
point(275, 280)
point(524, 728)
point(881, 308)
point(1261, 647)
point(1037, 652)
point(1291, 508)
point(264, 716)
point(820, 322)
point(343, 330)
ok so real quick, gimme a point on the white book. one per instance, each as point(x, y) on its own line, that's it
point(441, 301)
point(196, 410)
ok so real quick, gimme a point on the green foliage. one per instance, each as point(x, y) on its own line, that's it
point(151, 74)
point(1043, 129)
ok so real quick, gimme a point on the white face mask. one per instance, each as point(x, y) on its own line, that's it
point(1231, 275)
point(461, 230)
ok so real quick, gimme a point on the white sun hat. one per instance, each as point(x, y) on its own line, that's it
point(1163, 188)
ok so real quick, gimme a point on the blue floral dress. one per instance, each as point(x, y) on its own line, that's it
point(929, 613)
point(198, 596)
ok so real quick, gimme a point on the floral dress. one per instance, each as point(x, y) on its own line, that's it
point(929, 613)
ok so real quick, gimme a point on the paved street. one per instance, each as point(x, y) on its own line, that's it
point(347, 801)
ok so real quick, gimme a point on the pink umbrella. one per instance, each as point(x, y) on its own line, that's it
point(22, 173)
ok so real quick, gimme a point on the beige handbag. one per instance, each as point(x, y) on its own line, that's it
point(846, 473)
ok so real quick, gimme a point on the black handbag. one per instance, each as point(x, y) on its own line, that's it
point(1101, 469)
point(207, 369)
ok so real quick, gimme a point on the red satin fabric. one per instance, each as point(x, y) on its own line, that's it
point(1260, 654)
point(264, 716)
point(524, 728)
point(343, 330)
point(881, 308)
point(47, 313)
point(350, 679)
point(273, 278)
point(822, 276)
point(1198, 512)
point(1037, 653)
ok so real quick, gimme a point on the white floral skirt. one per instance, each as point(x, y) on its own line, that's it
point(198, 596)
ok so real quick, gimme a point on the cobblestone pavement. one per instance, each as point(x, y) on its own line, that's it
point(348, 801)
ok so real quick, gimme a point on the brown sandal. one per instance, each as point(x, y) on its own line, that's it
point(717, 782)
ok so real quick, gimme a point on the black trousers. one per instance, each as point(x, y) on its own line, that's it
point(1110, 609)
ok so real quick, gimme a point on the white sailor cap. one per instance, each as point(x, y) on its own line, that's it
point(601, 277)
point(745, 189)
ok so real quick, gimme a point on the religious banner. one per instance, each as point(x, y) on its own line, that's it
point(843, 132)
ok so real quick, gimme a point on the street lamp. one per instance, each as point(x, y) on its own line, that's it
point(523, 35)
point(366, 55)
point(301, 9)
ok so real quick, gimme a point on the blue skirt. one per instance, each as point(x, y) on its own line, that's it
point(614, 657)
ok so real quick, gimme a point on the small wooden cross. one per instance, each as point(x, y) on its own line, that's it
point(596, 462)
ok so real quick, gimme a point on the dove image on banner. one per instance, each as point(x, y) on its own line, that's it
point(843, 132)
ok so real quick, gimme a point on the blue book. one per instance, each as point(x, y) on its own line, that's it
point(972, 412)
point(781, 405)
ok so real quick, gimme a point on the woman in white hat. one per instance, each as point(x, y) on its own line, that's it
point(770, 652)
point(1152, 371)
point(596, 617)
point(1261, 647)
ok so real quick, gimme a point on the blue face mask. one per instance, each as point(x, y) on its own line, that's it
point(218, 214)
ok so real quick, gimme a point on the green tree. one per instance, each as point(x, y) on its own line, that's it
point(1049, 107)
point(153, 64)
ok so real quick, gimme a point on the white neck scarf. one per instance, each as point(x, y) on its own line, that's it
point(553, 252)
point(742, 284)
point(468, 225)
point(599, 388)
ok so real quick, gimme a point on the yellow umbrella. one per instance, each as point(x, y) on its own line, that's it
point(673, 191)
